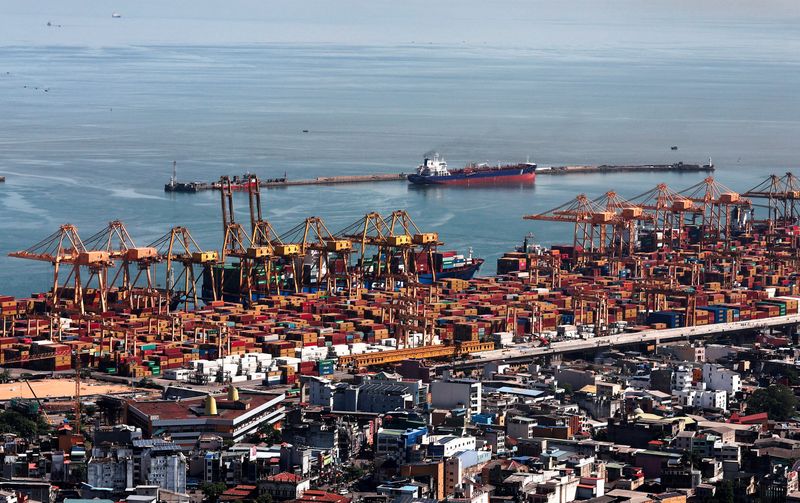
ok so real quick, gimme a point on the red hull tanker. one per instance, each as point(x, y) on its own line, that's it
point(433, 171)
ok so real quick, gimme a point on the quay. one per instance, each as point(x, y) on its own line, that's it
point(242, 182)
point(661, 266)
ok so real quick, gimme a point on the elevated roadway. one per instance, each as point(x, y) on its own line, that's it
point(523, 353)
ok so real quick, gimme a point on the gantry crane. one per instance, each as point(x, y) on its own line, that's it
point(263, 262)
point(62, 247)
point(590, 235)
point(421, 244)
point(178, 249)
point(370, 234)
point(597, 303)
point(783, 200)
point(115, 240)
point(318, 258)
point(655, 293)
point(668, 212)
point(718, 203)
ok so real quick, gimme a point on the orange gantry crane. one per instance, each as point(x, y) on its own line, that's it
point(317, 258)
point(65, 247)
point(590, 222)
point(669, 211)
point(180, 254)
point(783, 201)
point(115, 241)
point(723, 210)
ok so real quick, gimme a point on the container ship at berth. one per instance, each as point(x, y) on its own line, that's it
point(225, 279)
point(434, 171)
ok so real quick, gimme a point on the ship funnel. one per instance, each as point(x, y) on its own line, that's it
point(233, 394)
point(211, 406)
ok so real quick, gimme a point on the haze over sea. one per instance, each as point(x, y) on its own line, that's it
point(93, 109)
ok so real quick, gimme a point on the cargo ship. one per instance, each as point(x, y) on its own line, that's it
point(434, 171)
point(447, 264)
point(429, 267)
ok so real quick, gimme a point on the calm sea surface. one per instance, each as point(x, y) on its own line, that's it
point(99, 143)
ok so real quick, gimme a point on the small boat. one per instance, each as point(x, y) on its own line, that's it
point(674, 147)
point(116, 15)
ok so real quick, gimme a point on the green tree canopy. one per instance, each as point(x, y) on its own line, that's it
point(19, 424)
point(776, 400)
point(213, 490)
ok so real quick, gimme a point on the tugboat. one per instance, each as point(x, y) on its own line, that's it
point(433, 171)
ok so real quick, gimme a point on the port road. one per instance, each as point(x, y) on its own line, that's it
point(523, 353)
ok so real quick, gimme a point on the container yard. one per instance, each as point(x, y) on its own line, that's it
point(314, 302)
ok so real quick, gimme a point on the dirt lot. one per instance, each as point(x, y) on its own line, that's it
point(58, 388)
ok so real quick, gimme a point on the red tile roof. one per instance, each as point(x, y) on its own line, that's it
point(285, 477)
point(317, 496)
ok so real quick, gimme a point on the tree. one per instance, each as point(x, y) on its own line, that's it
point(270, 434)
point(213, 490)
point(5, 376)
point(21, 425)
point(776, 400)
point(264, 498)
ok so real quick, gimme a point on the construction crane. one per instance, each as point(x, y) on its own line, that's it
point(12, 362)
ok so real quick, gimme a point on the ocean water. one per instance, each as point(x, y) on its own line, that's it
point(88, 133)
